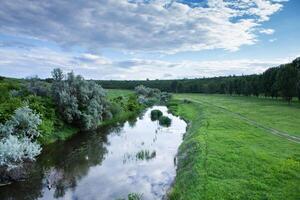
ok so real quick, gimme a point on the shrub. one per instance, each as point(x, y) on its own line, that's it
point(37, 87)
point(132, 104)
point(150, 96)
point(115, 108)
point(15, 93)
point(25, 122)
point(17, 138)
point(187, 101)
point(8, 107)
point(79, 101)
point(165, 97)
point(135, 196)
point(14, 150)
point(156, 114)
point(164, 121)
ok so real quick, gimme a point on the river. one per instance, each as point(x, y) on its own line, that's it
point(137, 157)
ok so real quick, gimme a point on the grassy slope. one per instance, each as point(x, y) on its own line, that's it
point(224, 157)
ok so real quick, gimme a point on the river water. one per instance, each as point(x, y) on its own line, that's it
point(137, 157)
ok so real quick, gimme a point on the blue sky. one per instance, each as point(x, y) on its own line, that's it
point(139, 39)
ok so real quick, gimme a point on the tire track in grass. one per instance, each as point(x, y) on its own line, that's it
point(250, 121)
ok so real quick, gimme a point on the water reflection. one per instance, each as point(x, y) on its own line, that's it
point(135, 157)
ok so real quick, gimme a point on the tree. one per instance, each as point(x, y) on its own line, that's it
point(298, 88)
point(57, 74)
point(174, 86)
point(266, 83)
point(287, 81)
point(256, 86)
point(296, 63)
point(79, 101)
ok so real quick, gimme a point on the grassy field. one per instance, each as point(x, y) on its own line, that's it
point(276, 114)
point(113, 93)
point(230, 151)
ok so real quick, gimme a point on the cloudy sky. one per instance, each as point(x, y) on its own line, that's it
point(139, 39)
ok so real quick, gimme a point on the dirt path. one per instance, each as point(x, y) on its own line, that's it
point(250, 121)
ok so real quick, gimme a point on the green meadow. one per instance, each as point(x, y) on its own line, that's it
point(231, 149)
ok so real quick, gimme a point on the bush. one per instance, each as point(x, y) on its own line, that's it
point(38, 87)
point(24, 123)
point(14, 150)
point(133, 104)
point(79, 101)
point(156, 114)
point(165, 97)
point(7, 108)
point(17, 138)
point(187, 101)
point(115, 108)
point(149, 96)
point(135, 196)
point(164, 121)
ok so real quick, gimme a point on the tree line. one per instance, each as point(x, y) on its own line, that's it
point(282, 81)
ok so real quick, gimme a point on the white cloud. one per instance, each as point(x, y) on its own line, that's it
point(272, 39)
point(43, 60)
point(136, 25)
point(267, 31)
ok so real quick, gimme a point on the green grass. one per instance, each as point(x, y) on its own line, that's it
point(224, 157)
point(113, 93)
point(64, 133)
point(275, 114)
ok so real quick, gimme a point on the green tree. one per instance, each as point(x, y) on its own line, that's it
point(174, 85)
point(287, 81)
point(79, 101)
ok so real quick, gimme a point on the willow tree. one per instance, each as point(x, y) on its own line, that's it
point(79, 101)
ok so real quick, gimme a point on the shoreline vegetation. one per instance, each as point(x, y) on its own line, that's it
point(35, 113)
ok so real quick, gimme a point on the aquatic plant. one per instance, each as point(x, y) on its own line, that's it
point(156, 114)
point(145, 155)
point(165, 121)
point(135, 196)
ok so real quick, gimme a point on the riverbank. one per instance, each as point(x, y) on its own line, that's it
point(128, 108)
point(225, 157)
point(14, 94)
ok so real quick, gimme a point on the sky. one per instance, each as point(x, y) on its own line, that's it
point(140, 39)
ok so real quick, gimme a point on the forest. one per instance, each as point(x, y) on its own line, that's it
point(282, 81)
